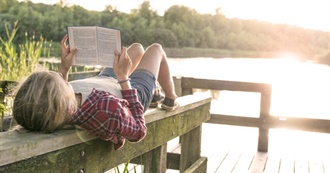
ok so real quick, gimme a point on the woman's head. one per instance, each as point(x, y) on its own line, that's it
point(44, 102)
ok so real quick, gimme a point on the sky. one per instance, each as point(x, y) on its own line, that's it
point(310, 14)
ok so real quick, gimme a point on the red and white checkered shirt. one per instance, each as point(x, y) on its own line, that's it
point(112, 119)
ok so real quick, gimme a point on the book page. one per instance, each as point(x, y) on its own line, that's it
point(108, 41)
point(84, 39)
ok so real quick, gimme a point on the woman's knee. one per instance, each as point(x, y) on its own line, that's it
point(156, 47)
point(136, 48)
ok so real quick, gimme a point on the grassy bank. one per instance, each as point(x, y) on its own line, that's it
point(322, 58)
point(189, 52)
point(219, 53)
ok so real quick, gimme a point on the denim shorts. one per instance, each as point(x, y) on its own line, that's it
point(141, 80)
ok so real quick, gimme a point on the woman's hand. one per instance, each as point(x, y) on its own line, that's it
point(67, 57)
point(122, 65)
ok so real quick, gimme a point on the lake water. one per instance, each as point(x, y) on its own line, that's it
point(299, 89)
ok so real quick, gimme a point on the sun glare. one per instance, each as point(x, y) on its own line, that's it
point(299, 86)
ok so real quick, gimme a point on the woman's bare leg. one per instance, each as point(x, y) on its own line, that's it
point(155, 61)
point(135, 52)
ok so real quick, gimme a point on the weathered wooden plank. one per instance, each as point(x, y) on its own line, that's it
point(287, 165)
point(84, 156)
point(228, 165)
point(215, 154)
point(173, 156)
point(176, 148)
point(173, 161)
point(225, 85)
point(16, 146)
point(216, 160)
point(187, 104)
point(307, 124)
point(198, 167)
point(234, 120)
point(273, 164)
point(301, 165)
point(315, 166)
point(244, 162)
point(258, 163)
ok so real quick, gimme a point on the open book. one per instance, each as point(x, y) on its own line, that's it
point(96, 45)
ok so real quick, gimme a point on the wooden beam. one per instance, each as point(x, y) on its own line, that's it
point(198, 167)
point(225, 85)
point(234, 120)
point(154, 160)
point(173, 161)
point(305, 124)
point(190, 148)
point(73, 151)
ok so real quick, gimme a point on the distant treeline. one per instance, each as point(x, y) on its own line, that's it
point(179, 27)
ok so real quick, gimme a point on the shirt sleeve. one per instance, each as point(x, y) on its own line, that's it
point(113, 119)
point(132, 125)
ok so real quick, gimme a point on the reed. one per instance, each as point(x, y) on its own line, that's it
point(19, 61)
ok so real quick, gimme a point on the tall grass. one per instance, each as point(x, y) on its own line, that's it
point(19, 61)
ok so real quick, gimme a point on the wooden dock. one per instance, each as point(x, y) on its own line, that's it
point(236, 151)
point(228, 143)
point(232, 149)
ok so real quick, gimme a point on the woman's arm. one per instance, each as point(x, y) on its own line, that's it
point(121, 67)
point(67, 58)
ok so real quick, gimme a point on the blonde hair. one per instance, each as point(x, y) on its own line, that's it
point(43, 102)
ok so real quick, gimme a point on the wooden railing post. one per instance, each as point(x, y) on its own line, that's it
point(185, 90)
point(264, 118)
point(154, 160)
point(177, 80)
point(190, 148)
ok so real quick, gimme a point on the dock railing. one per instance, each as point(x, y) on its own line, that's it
point(77, 151)
point(265, 121)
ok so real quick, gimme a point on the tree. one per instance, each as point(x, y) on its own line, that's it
point(5, 5)
point(165, 37)
point(180, 26)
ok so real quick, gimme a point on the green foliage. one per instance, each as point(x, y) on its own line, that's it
point(179, 27)
point(18, 62)
point(125, 169)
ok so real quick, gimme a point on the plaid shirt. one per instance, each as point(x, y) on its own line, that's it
point(112, 119)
